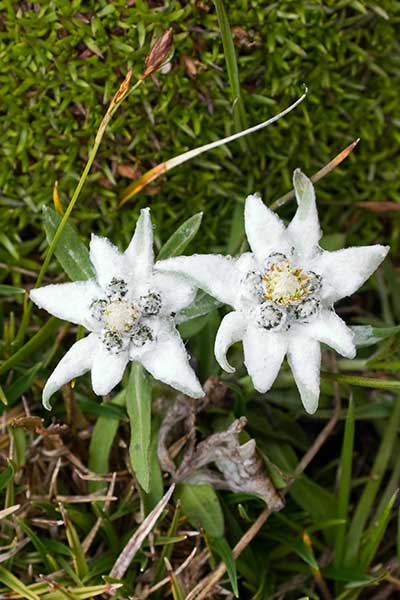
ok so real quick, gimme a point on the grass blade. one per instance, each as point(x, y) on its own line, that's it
point(239, 114)
point(15, 584)
point(222, 548)
point(7, 290)
point(136, 186)
point(346, 461)
point(372, 487)
point(375, 534)
point(80, 564)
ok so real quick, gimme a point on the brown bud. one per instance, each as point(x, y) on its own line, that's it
point(159, 53)
point(123, 88)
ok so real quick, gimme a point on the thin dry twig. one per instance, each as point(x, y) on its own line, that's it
point(319, 174)
point(87, 542)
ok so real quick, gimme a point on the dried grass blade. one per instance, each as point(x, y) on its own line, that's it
point(156, 171)
point(125, 558)
point(319, 174)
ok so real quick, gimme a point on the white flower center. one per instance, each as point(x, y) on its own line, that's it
point(120, 316)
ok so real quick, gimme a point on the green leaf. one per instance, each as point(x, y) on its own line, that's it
point(16, 585)
point(178, 241)
point(23, 383)
point(366, 335)
point(201, 506)
point(6, 475)
point(71, 252)
point(346, 461)
point(110, 410)
point(191, 328)
point(299, 547)
point(6, 290)
point(221, 547)
point(40, 338)
point(101, 442)
point(202, 305)
point(156, 487)
point(138, 404)
point(205, 341)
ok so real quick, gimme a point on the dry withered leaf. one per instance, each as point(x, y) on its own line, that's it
point(219, 460)
point(159, 53)
point(190, 65)
point(128, 171)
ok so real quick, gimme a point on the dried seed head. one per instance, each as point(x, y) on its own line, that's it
point(159, 53)
point(123, 88)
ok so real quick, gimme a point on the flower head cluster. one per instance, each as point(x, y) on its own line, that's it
point(129, 310)
point(282, 292)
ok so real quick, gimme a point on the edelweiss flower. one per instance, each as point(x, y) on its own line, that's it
point(283, 293)
point(129, 309)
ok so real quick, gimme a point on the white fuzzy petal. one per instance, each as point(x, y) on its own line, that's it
point(107, 369)
point(344, 271)
point(231, 330)
point(140, 252)
point(213, 273)
point(168, 361)
point(329, 329)
point(107, 260)
point(304, 230)
point(264, 352)
point(304, 358)
point(69, 301)
point(265, 231)
point(176, 291)
point(77, 361)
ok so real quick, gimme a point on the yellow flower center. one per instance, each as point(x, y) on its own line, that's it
point(284, 285)
point(120, 316)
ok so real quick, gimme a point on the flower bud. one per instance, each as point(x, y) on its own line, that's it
point(159, 53)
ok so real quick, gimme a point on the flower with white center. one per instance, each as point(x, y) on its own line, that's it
point(129, 310)
point(282, 293)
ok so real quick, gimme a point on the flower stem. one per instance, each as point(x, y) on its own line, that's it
point(238, 110)
point(121, 94)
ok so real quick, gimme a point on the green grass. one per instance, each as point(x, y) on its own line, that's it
point(61, 64)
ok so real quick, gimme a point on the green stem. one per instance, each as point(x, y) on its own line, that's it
point(371, 489)
point(239, 113)
point(116, 101)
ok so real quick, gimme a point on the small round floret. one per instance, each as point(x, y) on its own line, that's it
point(270, 316)
point(151, 303)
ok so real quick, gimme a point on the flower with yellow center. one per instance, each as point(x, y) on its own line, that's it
point(129, 308)
point(120, 316)
point(282, 293)
point(284, 285)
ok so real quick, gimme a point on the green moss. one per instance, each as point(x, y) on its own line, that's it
point(62, 61)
